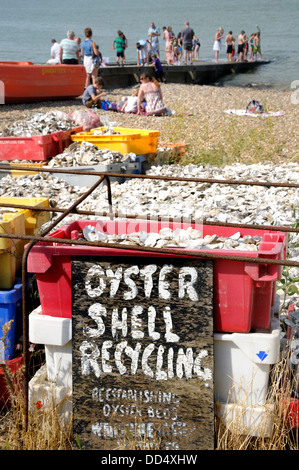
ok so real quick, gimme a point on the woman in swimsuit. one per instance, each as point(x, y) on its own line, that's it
point(251, 45)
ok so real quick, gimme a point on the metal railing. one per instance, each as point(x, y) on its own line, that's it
point(73, 209)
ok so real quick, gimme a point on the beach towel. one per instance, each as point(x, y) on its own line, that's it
point(243, 112)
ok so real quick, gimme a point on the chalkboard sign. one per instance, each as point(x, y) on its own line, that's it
point(143, 352)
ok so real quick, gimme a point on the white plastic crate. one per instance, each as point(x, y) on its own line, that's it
point(247, 420)
point(56, 334)
point(89, 180)
point(47, 396)
point(243, 363)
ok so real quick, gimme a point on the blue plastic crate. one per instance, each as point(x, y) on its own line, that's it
point(10, 309)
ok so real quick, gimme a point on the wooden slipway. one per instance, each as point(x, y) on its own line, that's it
point(199, 73)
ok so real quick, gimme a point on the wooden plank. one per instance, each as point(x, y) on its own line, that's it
point(143, 352)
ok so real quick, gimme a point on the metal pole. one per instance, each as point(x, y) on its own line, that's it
point(24, 296)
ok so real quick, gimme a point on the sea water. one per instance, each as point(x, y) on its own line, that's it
point(28, 26)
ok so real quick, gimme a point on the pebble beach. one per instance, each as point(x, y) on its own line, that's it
point(248, 148)
point(218, 145)
point(199, 120)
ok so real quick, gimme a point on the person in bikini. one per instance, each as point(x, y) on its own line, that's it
point(251, 46)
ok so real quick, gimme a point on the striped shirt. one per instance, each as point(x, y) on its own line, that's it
point(119, 44)
point(69, 49)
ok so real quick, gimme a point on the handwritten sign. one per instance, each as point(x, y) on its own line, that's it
point(143, 352)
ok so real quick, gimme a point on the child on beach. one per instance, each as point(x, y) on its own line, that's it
point(129, 104)
point(158, 68)
point(119, 45)
point(92, 96)
point(141, 52)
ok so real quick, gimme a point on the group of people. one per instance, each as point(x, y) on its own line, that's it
point(72, 51)
point(146, 100)
point(247, 48)
point(185, 45)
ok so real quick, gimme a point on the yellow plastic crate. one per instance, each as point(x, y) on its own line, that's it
point(19, 222)
point(33, 219)
point(137, 141)
point(17, 173)
point(8, 169)
point(11, 249)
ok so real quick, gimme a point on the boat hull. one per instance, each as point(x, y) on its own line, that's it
point(24, 82)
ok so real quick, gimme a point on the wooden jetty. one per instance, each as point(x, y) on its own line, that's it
point(198, 73)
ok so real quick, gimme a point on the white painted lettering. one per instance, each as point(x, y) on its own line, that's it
point(95, 271)
point(130, 283)
point(147, 272)
point(169, 336)
point(163, 286)
point(187, 286)
point(96, 311)
point(136, 322)
point(117, 324)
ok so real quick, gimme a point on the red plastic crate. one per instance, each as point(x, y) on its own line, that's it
point(243, 291)
point(293, 413)
point(36, 147)
point(291, 410)
point(13, 365)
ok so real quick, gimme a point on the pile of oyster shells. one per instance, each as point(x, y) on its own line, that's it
point(109, 130)
point(190, 239)
point(39, 124)
point(204, 201)
point(86, 153)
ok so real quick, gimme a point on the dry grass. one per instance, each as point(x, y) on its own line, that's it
point(46, 430)
point(282, 436)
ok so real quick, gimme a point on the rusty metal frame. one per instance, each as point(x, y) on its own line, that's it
point(73, 210)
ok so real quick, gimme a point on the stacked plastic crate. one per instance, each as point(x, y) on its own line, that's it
point(246, 334)
point(14, 222)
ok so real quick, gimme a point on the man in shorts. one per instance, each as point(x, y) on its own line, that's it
point(187, 40)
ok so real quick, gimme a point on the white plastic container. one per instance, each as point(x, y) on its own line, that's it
point(242, 365)
point(56, 334)
point(246, 420)
point(89, 180)
point(48, 396)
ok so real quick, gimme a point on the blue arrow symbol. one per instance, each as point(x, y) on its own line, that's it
point(262, 355)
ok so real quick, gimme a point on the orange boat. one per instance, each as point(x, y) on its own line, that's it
point(24, 82)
